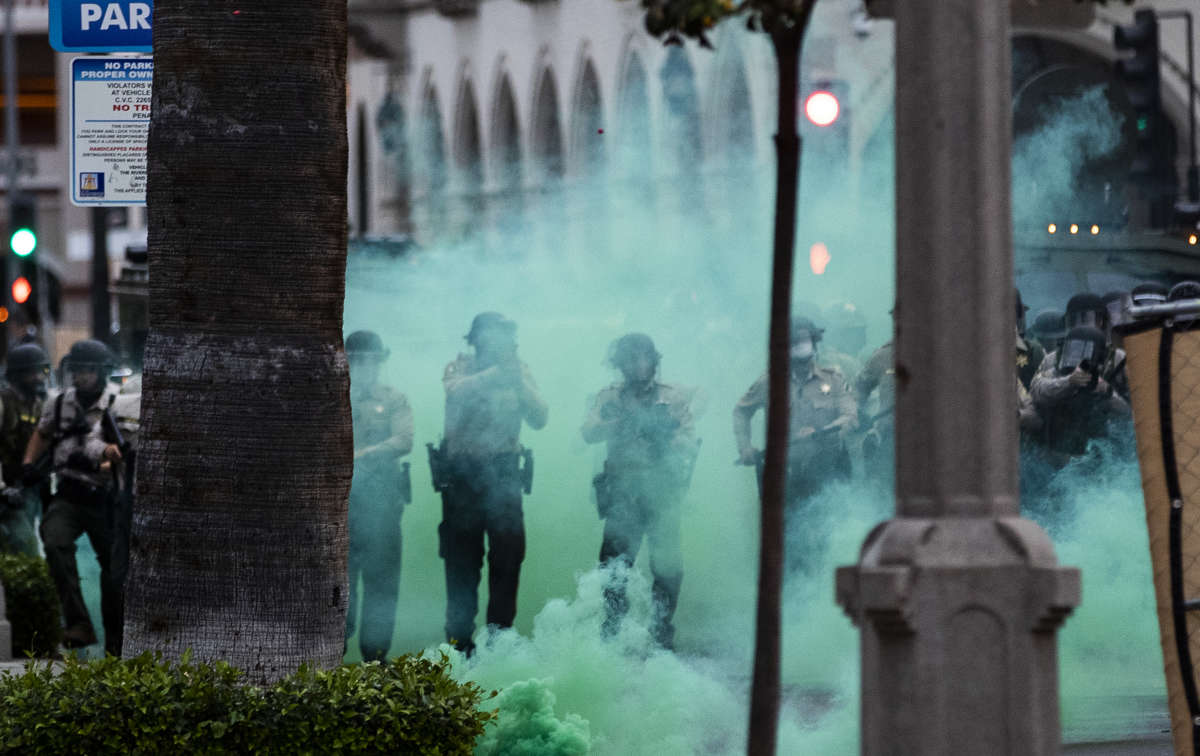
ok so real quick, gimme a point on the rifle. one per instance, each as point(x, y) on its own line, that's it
point(527, 470)
point(438, 473)
point(1093, 370)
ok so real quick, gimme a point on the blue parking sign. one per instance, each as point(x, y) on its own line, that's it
point(101, 25)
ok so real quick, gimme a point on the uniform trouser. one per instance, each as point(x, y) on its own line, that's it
point(484, 499)
point(641, 508)
point(65, 520)
point(804, 524)
point(375, 551)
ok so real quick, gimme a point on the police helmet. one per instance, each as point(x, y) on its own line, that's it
point(1084, 347)
point(629, 347)
point(1149, 293)
point(485, 321)
point(803, 326)
point(25, 357)
point(1049, 326)
point(805, 337)
point(90, 353)
point(366, 344)
point(1086, 310)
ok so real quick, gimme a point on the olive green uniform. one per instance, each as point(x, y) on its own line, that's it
point(18, 418)
point(821, 401)
point(383, 433)
point(878, 376)
point(485, 407)
point(651, 444)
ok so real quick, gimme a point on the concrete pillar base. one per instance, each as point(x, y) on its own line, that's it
point(958, 617)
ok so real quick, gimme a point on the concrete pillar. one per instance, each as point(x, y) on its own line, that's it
point(958, 598)
point(5, 629)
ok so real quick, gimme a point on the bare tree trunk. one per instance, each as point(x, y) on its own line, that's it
point(764, 695)
point(239, 530)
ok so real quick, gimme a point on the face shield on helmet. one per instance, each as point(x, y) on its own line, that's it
point(1086, 318)
point(1084, 348)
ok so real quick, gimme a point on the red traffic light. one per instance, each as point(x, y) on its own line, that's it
point(822, 107)
point(21, 289)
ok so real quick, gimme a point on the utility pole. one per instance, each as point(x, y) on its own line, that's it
point(12, 139)
point(958, 598)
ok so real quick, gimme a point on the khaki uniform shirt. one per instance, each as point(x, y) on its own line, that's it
point(383, 424)
point(1028, 359)
point(91, 442)
point(652, 429)
point(818, 400)
point(879, 373)
point(485, 408)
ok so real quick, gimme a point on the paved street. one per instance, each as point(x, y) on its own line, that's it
point(1156, 747)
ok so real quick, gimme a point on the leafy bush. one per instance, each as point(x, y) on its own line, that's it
point(32, 605)
point(145, 705)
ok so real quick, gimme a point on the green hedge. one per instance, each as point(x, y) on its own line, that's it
point(32, 605)
point(146, 705)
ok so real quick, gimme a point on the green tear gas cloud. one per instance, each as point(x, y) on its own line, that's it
point(688, 262)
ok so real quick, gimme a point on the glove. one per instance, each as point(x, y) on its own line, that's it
point(14, 497)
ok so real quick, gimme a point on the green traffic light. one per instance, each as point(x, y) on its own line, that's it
point(1143, 123)
point(22, 242)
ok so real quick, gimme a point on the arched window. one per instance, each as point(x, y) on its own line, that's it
point(587, 121)
point(547, 133)
point(632, 132)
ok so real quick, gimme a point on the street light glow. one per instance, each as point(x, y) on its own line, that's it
point(1095, 229)
point(1192, 240)
point(818, 258)
point(822, 108)
point(1074, 228)
point(1052, 228)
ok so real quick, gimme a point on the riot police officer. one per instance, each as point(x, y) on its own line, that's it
point(878, 378)
point(1080, 410)
point(489, 394)
point(823, 414)
point(1049, 328)
point(383, 433)
point(70, 429)
point(1050, 386)
point(1030, 353)
point(845, 338)
point(648, 430)
point(20, 409)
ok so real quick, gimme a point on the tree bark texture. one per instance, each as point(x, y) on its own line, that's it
point(764, 694)
point(239, 530)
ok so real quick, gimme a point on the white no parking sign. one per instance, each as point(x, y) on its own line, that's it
point(110, 117)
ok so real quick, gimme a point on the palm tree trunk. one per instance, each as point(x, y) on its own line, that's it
point(764, 695)
point(239, 529)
